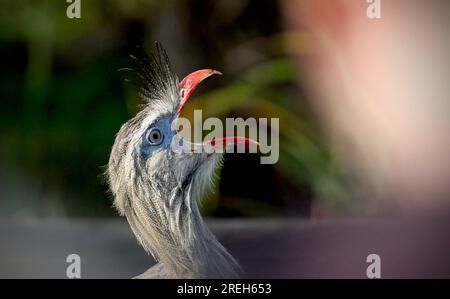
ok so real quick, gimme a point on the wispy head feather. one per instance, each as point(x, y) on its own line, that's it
point(154, 77)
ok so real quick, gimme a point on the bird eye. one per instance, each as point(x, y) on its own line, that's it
point(155, 136)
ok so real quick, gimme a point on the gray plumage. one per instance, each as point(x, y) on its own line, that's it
point(157, 190)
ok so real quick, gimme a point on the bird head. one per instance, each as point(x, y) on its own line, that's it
point(155, 185)
point(148, 149)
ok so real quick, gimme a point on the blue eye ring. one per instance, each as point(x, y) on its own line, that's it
point(155, 136)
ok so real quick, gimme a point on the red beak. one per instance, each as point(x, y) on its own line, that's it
point(186, 87)
point(224, 142)
point(190, 82)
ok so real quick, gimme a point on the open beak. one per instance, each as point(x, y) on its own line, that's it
point(186, 87)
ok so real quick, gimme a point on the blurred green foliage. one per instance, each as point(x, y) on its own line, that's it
point(63, 101)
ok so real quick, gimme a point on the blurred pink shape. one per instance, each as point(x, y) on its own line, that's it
point(380, 87)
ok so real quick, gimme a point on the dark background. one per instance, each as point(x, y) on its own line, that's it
point(363, 106)
point(63, 101)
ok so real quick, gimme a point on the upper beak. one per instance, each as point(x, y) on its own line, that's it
point(187, 86)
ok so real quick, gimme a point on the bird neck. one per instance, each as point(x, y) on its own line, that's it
point(203, 254)
point(180, 240)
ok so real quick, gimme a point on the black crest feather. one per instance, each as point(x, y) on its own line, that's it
point(153, 75)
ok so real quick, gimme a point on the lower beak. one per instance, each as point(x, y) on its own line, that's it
point(218, 144)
